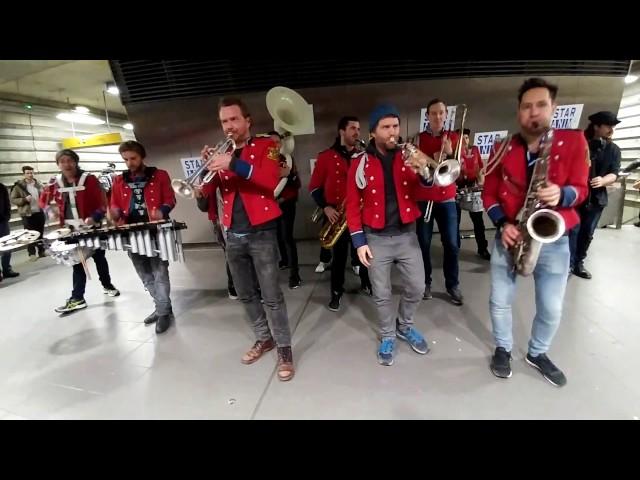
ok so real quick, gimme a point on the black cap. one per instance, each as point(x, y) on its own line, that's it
point(604, 118)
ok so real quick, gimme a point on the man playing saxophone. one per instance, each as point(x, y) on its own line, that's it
point(328, 187)
point(505, 191)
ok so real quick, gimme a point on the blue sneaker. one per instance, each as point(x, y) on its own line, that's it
point(385, 351)
point(414, 338)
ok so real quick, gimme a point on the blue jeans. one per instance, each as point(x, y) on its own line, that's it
point(581, 235)
point(550, 276)
point(447, 217)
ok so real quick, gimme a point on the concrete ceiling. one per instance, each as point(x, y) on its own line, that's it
point(78, 82)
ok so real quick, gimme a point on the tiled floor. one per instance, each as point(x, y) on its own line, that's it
point(103, 363)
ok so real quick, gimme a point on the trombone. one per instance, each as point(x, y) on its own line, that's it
point(447, 171)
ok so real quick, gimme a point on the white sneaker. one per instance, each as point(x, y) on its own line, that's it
point(111, 291)
point(321, 267)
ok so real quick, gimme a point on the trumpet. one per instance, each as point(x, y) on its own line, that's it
point(416, 159)
point(186, 188)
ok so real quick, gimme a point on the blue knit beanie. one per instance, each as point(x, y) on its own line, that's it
point(380, 112)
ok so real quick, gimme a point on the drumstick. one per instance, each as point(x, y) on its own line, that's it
point(84, 262)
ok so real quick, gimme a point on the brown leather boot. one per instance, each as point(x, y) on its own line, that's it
point(285, 364)
point(259, 348)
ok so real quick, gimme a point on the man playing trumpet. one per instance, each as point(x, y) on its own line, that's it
point(247, 178)
point(383, 229)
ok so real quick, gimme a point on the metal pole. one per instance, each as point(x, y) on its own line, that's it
point(106, 113)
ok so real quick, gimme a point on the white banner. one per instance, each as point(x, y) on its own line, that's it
point(567, 116)
point(190, 165)
point(449, 123)
point(485, 140)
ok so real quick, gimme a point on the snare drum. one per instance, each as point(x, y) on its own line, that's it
point(471, 200)
point(68, 253)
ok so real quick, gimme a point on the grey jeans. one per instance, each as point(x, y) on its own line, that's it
point(154, 274)
point(261, 248)
point(403, 250)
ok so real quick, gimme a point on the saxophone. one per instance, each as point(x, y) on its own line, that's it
point(537, 224)
point(331, 232)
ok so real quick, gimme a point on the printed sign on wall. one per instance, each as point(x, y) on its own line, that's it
point(485, 140)
point(190, 165)
point(567, 116)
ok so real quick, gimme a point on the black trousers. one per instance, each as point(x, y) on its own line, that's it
point(478, 228)
point(341, 251)
point(286, 242)
point(35, 222)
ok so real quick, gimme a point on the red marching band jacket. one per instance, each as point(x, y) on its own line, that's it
point(290, 190)
point(330, 175)
point(366, 206)
point(90, 199)
point(209, 192)
point(470, 165)
point(254, 177)
point(158, 193)
point(505, 188)
point(431, 145)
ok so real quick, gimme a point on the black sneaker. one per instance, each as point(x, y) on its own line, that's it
point(501, 363)
point(283, 265)
point(151, 319)
point(366, 290)
point(334, 304)
point(581, 272)
point(456, 296)
point(637, 224)
point(71, 305)
point(294, 282)
point(549, 371)
point(10, 274)
point(484, 254)
point(427, 293)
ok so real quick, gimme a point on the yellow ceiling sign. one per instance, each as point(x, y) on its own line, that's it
point(98, 140)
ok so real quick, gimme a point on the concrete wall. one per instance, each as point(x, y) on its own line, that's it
point(32, 137)
point(171, 130)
